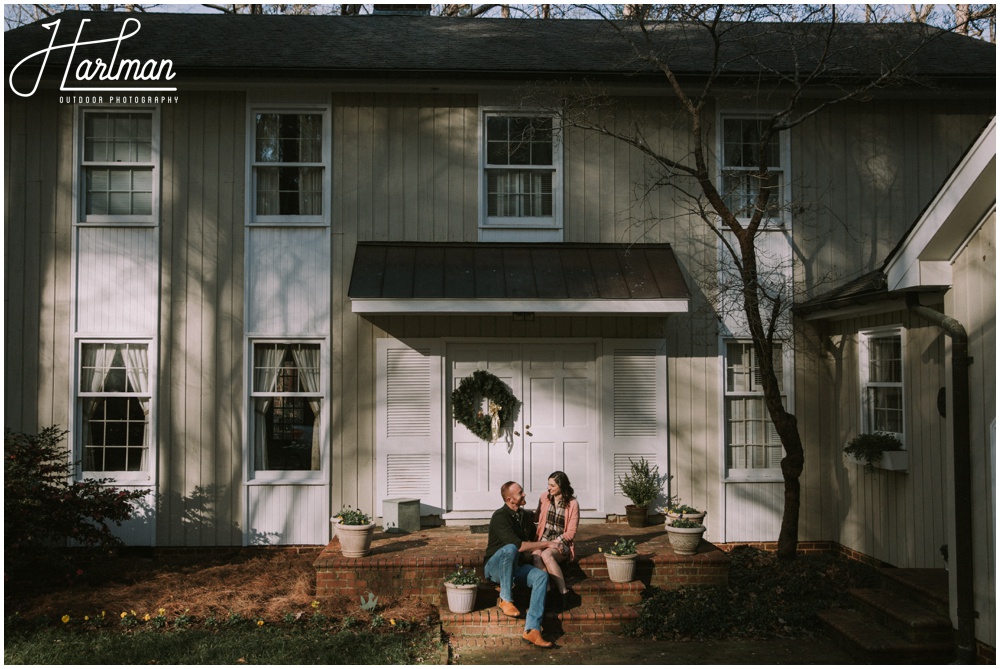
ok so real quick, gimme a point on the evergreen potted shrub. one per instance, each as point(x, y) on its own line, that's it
point(354, 529)
point(877, 449)
point(685, 535)
point(642, 485)
point(621, 558)
point(461, 587)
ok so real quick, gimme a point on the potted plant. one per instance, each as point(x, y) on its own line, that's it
point(621, 558)
point(461, 587)
point(354, 529)
point(677, 510)
point(642, 485)
point(685, 535)
point(881, 449)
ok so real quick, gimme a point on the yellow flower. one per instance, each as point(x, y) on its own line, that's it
point(123, 615)
point(260, 623)
point(103, 613)
point(600, 550)
point(146, 617)
point(65, 619)
point(315, 604)
point(163, 612)
point(392, 621)
point(86, 618)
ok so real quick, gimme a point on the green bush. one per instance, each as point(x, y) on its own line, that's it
point(44, 506)
point(643, 484)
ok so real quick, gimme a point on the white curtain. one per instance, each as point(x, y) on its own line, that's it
point(266, 362)
point(307, 360)
point(137, 369)
point(97, 360)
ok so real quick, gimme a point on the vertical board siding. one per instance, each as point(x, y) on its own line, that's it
point(288, 281)
point(975, 308)
point(201, 377)
point(117, 281)
point(287, 514)
point(753, 511)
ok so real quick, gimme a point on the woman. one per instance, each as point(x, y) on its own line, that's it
point(557, 517)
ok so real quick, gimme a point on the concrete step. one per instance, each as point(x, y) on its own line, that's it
point(873, 643)
point(929, 587)
point(905, 617)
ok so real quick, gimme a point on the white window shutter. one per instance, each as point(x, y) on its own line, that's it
point(409, 443)
point(634, 386)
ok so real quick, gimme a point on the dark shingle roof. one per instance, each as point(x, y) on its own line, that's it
point(564, 271)
point(207, 45)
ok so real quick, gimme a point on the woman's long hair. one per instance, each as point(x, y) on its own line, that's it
point(564, 486)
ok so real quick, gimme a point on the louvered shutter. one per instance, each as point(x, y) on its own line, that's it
point(408, 405)
point(634, 382)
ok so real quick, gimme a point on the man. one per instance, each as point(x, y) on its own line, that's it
point(510, 529)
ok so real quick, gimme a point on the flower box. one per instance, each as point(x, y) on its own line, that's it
point(893, 461)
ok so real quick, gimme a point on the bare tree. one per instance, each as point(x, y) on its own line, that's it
point(793, 51)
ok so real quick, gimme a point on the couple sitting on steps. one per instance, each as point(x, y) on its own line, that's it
point(513, 534)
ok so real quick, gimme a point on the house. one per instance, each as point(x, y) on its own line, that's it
point(249, 257)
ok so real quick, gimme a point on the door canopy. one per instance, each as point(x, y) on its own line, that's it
point(482, 278)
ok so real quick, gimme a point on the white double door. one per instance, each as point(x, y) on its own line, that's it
point(554, 429)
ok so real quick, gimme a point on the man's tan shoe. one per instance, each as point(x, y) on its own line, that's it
point(535, 637)
point(509, 609)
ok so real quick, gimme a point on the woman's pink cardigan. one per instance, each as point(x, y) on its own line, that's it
point(572, 521)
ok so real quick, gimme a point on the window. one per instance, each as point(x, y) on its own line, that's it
point(287, 399)
point(288, 167)
point(882, 381)
point(752, 443)
point(115, 401)
point(117, 177)
point(521, 173)
point(741, 177)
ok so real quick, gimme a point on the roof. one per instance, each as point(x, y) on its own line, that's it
point(205, 45)
point(418, 277)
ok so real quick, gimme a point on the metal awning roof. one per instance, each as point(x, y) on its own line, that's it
point(485, 278)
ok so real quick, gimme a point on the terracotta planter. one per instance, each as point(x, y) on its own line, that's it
point(637, 516)
point(685, 540)
point(461, 598)
point(355, 540)
point(621, 568)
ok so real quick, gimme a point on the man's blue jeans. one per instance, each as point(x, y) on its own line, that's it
point(503, 568)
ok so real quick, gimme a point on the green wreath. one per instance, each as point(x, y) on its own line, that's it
point(466, 403)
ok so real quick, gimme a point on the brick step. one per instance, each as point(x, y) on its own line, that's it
point(491, 627)
point(929, 587)
point(872, 643)
point(905, 617)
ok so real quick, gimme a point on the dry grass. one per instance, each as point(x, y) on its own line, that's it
point(253, 583)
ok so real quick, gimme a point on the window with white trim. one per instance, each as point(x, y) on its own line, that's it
point(287, 399)
point(521, 171)
point(115, 399)
point(118, 158)
point(740, 166)
point(288, 166)
point(881, 357)
point(752, 443)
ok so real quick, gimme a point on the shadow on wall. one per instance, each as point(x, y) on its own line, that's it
point(198, 523)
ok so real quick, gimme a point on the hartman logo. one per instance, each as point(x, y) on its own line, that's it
point(94, 74)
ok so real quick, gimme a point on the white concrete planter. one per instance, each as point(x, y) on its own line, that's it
point(461, 598)
point(696, 517)
point(685, 540)
point(355, 540)
point(621, 568)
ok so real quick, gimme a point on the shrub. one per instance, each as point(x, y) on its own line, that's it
point(643, 484)
point(868, 448)
point(44, 507)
